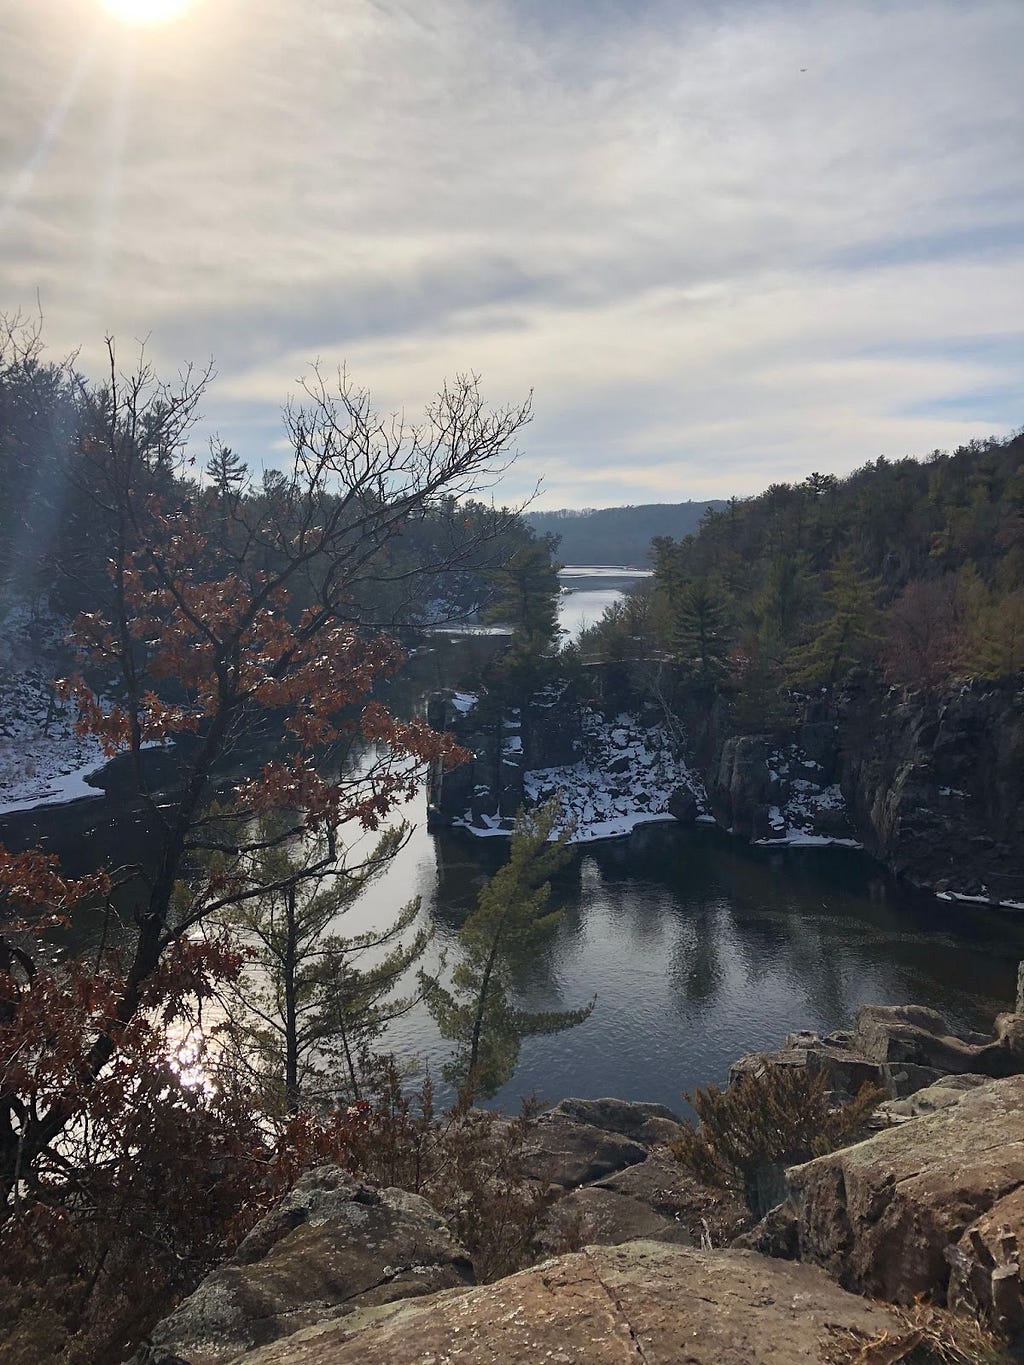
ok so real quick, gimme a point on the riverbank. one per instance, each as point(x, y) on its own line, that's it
point(932, 787)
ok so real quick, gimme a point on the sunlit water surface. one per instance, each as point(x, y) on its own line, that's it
point(587, 592)
point(699, 949)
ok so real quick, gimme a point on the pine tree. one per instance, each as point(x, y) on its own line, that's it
point(502, 935)
point(526, 597)
point(228, 476)
point(226, 472)
point(700, 644)
point(305, 1014)
point(850, 628)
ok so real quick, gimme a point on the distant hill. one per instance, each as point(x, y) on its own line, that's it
point(618, 535)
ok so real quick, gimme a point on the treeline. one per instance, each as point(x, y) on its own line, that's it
point(66, 450)
point(618, 535)
point(914, 567)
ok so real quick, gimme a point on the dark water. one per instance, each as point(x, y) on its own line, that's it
point(700, 949)
point(697, 947)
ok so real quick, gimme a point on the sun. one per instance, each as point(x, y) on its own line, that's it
point(147, 11)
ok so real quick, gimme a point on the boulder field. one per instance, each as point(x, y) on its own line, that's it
point(655, 1268)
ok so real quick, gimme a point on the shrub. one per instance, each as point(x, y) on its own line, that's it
point(750, 1132)
point(468, 1163)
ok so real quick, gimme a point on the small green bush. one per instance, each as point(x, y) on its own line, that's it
point(750, 1132)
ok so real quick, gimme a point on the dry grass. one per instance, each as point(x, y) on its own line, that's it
point(927, 1336)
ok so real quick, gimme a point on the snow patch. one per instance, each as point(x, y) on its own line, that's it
point(624, 779)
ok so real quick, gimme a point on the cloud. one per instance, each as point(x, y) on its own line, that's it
point(724, 243)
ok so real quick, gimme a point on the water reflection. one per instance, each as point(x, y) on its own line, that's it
point(699, 949)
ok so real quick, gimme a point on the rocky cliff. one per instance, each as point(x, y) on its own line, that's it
point(935, 784)
point(931, 785)
point(931, 1204)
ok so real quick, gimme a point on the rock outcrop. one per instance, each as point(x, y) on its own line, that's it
point(331, 1246)
point(566, 1151)
point(901, 1048)
point(912, 1036)
point(611, 1306)
point(881, 1216)
point(933, 786)
point(613, 1180)
point(767, 791)
point(936, 784)
point(611, 772)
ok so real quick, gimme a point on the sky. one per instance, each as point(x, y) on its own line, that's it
point(723, 242)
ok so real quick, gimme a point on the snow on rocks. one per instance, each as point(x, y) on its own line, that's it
point(625, 778)
point(42, 759)
point(807, 812)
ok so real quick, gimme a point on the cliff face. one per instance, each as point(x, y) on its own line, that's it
point(935, 785)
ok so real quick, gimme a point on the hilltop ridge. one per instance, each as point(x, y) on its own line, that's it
point(618, 535)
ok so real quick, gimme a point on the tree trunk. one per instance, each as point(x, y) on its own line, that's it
point(291, 1031)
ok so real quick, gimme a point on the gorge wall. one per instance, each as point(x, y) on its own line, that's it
point(931, 785)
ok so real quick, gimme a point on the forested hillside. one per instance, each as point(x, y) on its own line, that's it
point(618, 535)
point(913, 566)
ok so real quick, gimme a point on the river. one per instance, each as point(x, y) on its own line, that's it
point(588, 590)
point(700, 948)
point(697, 947)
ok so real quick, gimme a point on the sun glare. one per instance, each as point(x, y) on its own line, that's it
point(147, 11)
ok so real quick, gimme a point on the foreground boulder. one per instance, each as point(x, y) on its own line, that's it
point(614, 1180)
point(881, 1216)
point(644, 1123)
point(611, 1306)
point(331, 1246)
point(582, 1140)
point(664, 1185)
point(985, 1279)
point(596, 1215)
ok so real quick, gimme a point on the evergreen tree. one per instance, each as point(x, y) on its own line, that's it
point(700, 643)
point(850, 628)
point(228, 476)
point(310, 1004)
point(502, 935)
point(779, 605)
point(526, 596)
point(226, 472)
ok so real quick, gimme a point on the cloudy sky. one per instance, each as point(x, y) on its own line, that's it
point(725, 242)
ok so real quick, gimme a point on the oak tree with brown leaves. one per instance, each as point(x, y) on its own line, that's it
point(229, 627)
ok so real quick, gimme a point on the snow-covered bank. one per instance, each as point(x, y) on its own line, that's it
point(993, 902)
point(42, 759)
point(626, 778)
point(40, 776)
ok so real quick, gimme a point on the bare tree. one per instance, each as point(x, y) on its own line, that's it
point(222, 644)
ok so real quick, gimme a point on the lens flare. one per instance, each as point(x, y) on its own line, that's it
point(147, 11)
